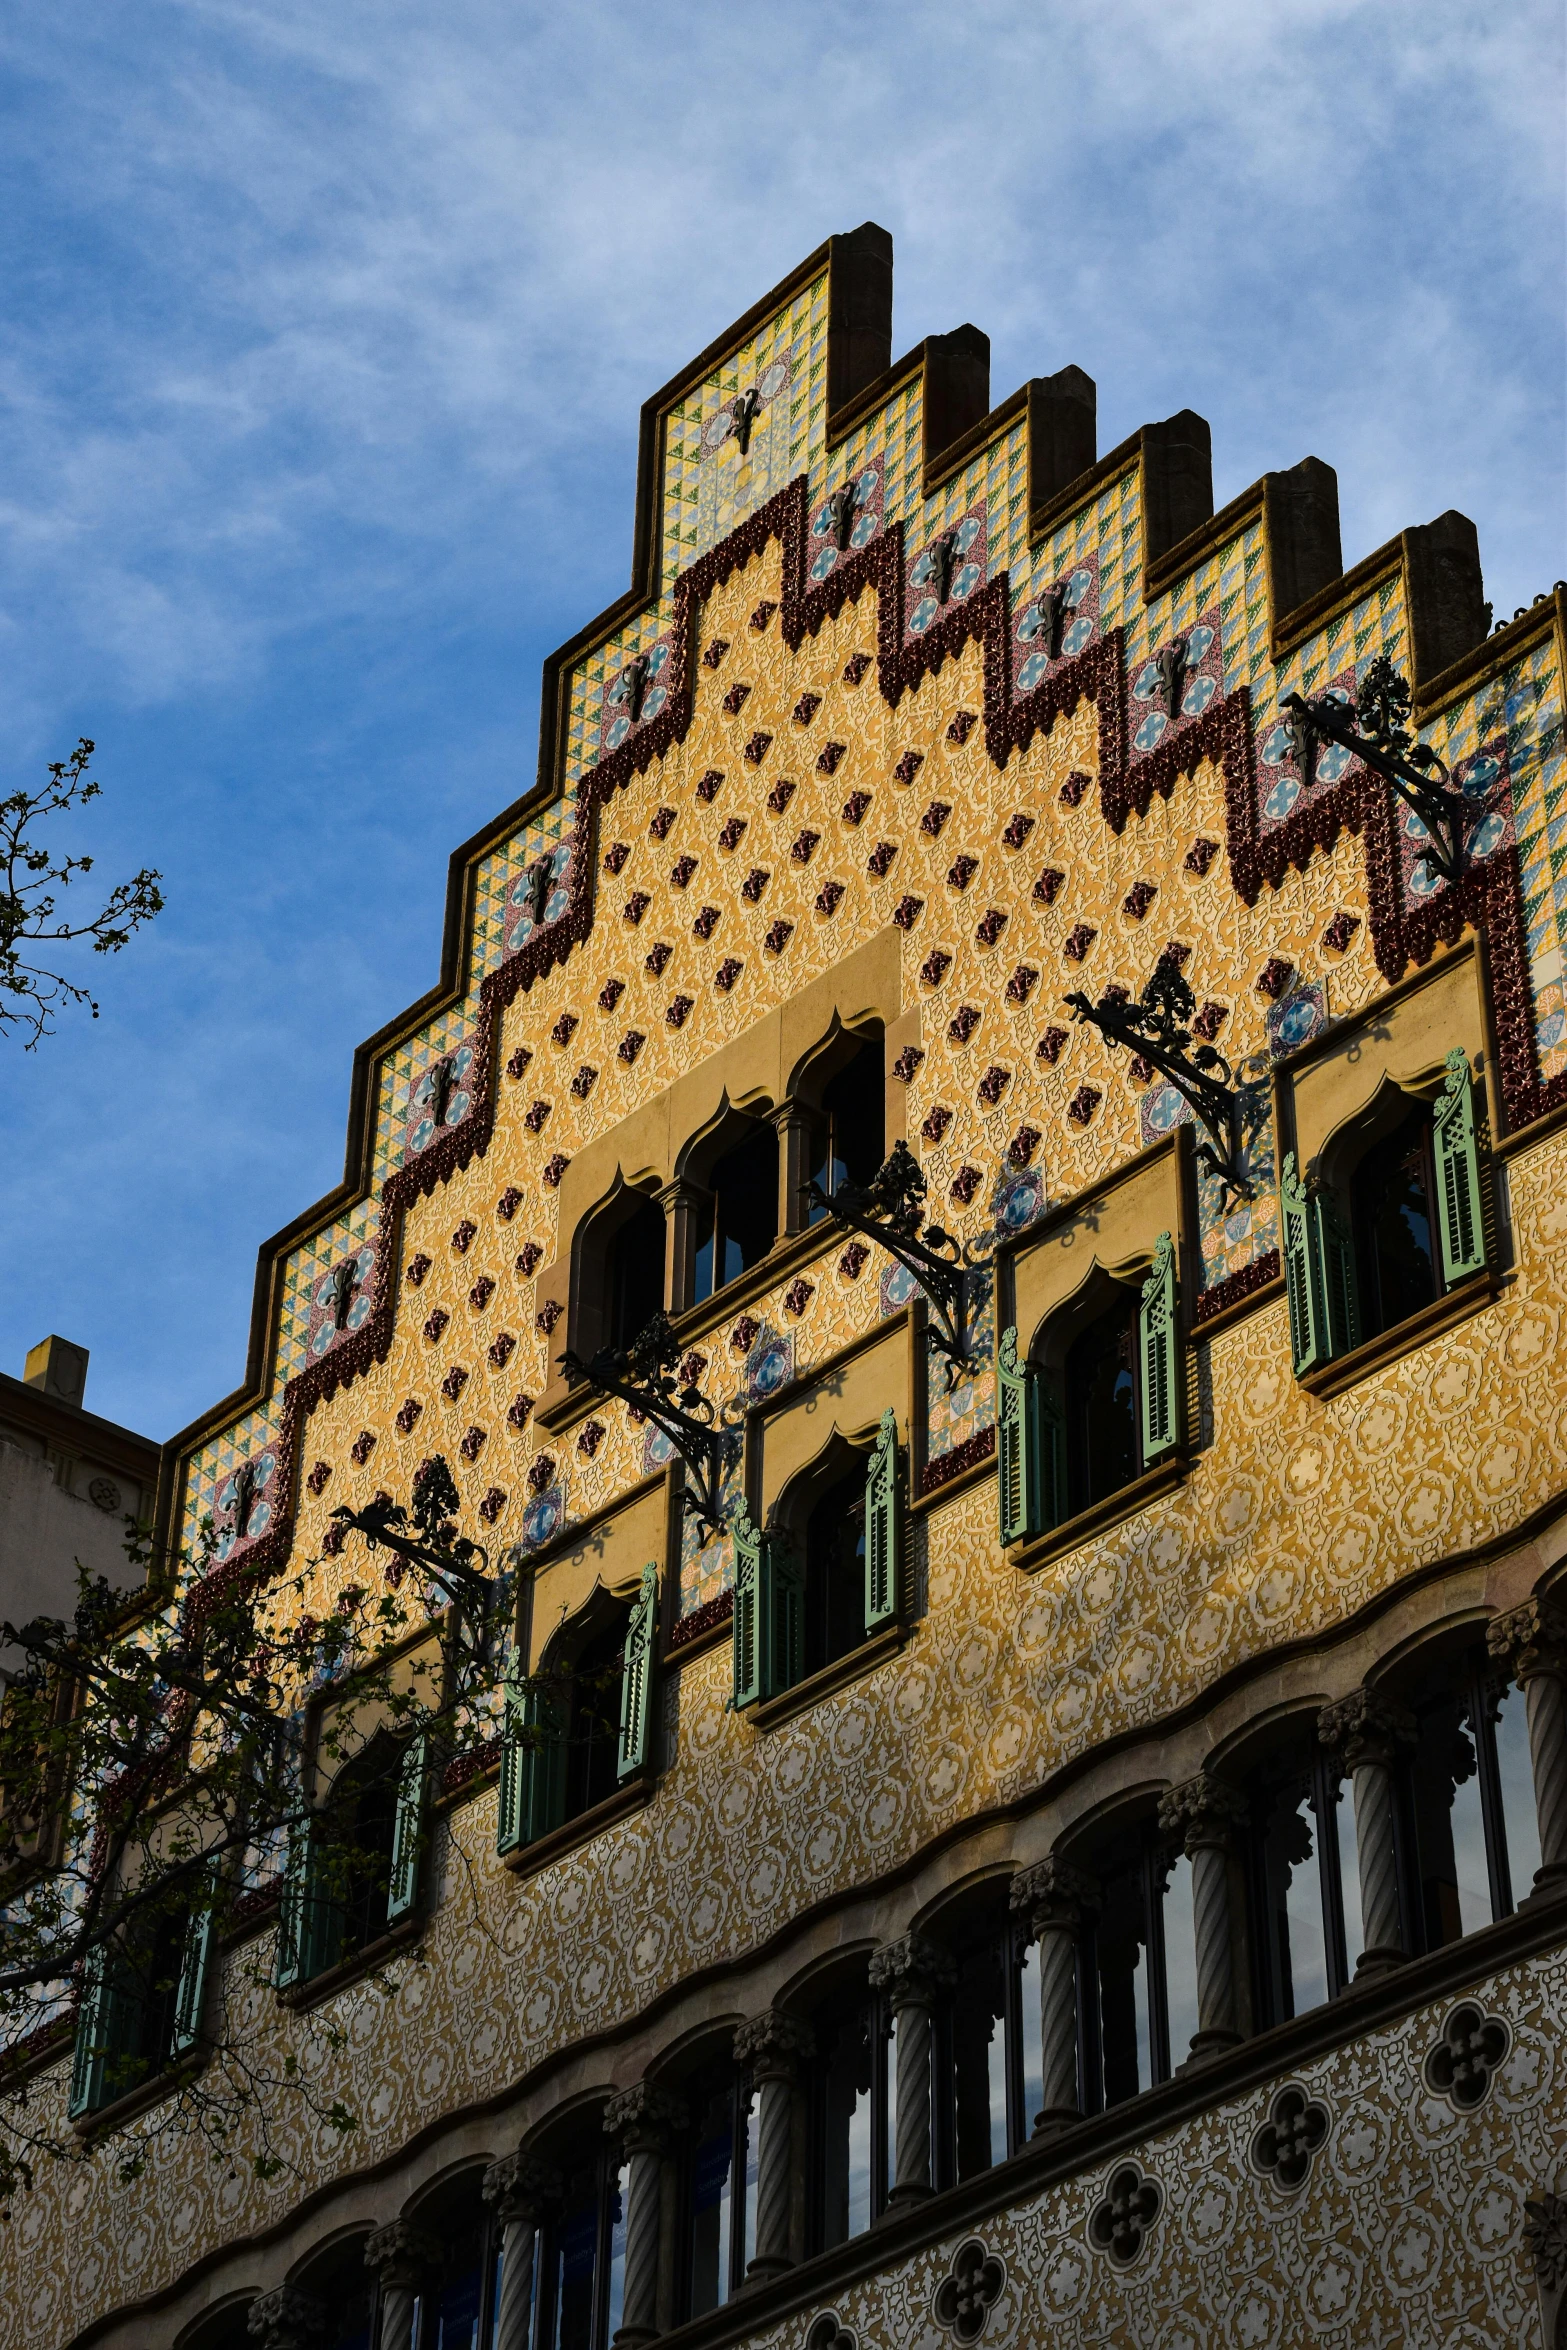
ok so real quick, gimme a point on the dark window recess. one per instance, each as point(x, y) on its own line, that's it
point(1392, 1205)
point(360, 1826)
point(457, 2311)
point(989, 2082)
point(636, 1273)
point(739, 1220)
point(1100, 1390)
point(1137, 1972)
point(581, 2282)
point(720, 2178)
point(850, 2150)
point(592, 1707)
point(1301, 1853)
point(835, 1572)
point(1471, 1837)
point(850, 1140)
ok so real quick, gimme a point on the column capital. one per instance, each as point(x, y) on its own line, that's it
point(1365, 1727)
point(286, 2319)
point(911, 1970)
point(519, 2186)
point(400, 2253)
point(1052, 1893)
point(773, 2043)
point(1530, 1639)
point(642, 2117)
point(1202, 1810)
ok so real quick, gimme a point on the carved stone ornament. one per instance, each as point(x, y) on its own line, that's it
point(773, 2042)
point(910, 1970)
point(1296, 2128)
point(519, 2186)
point(1545, 2235)
point(1122, 2221)
point(643, 2113)
point(1365, 1727)
point(1531, 1638)
point(1463, 2063)
point(1052, 1893)
point(828, 2332)
point(1202, 1810)
point(286, 2319)
point(400, 2253)
point(969, 2291)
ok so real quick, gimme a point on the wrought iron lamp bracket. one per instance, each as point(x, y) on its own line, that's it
point(952, 1282)
point(1411, 770)
point(1154, 1029)
point(702, 1436)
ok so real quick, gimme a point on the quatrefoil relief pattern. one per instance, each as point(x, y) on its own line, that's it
point(1462, 2064)
point(1282, 2150)
point(828, 2332)
point(969, 2291)
point(1120, 2225)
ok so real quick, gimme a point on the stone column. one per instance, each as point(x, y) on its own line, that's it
point(796, 1130)
point(521, 2192)
point(642, 2118)
point(401, 2256)
point(912, 1972)
point(772, 2047)
point(1053, 1898)
point(1366, 1732)
point(286, 2319)
point(1532, 1642)
point(1203, 1815)
point(682, 1203)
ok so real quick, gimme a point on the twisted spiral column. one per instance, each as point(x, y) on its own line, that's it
point(1532, 1641)
point(1053, 1897)
point(520, 2192)
point(642, 2118)
point(912, 1972)
point(1203, 1815)
point(772, 2047)
point(401, 2255)
point(1367, 1732)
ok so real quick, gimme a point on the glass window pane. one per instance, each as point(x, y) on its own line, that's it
point(576, 2258)
point(1180, 1960)
point(1454, 1886)
point(1295, 1960)
point(847, 2075)
point(712, 2164)
point(617, 2249)
point(1125, 2024)
point(979, 2059)
point(1517, 1777)
point(1033, 2044)
point(456, 2313)
point(750, 2155)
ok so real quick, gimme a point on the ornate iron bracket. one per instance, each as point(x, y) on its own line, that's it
point(744, 410)
point(1157, 1026)
point(646, 1375)
point(426, 1537)
point(1374, 726)
point(841, 508)
point(890, 1209)
point(943, 563)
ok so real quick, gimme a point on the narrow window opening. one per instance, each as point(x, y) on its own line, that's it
point(835, 1572)
point(636, 1273)
point(738, 1222)
point(1100, 1393)
point(850, 1135)
point(1392, 1201)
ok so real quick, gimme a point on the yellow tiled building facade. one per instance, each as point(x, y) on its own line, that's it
point(1113, 1893)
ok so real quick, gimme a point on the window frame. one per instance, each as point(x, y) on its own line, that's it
point(878, 2008)
point(740, 2090)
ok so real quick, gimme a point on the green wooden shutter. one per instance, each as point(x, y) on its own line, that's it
point(1459, 1218)
point(1319, 1273)
point(769, 1615)
point(1159, 1356)
point(299, 1914)
point(637, 1676)
point(106, 2020)
point(545, 1715)
point(511, 1822)
point(195, 1958)
point(883, 1527)
point(408, 1830)
point(1054, 1507)
point(1019, 1443)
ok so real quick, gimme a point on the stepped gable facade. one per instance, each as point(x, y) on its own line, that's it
point(1085, 1851)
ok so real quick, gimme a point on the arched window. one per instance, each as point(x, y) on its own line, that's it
point(988, 2070)
point(834, 1546)
point(1392, 1216)
point(1099, 1392)
point(144, 1993)
point(581, 2272)
point(1304, 1893)
point(343, 2289)
point(580, 1726)
point(458, 2299)
point(1137, 1966)
point(618, 1281)
point(848, 1127)
point(737, 1219)
point(355, 1868)
point(850, 2152)
point(1471, 1833)
point(826, 1574)
point(718, 2183)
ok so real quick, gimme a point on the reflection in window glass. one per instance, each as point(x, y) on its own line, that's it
point(617, 2250)
point(750, 2158)
point(850, 1137)
point(1033, 2045)
point(1516, 1774)
point(740, 1223)
point(1453, 1886)
point(1100, 1390)
point(1394, 1234)
point(1296, 1954)
point(456, 2313)
point(1125, 2018)
point(848, 2073)
point(979, 2058)
point(1349, 1876)
point(712, 2176)
point(576, 2260)
point(1180, 1959)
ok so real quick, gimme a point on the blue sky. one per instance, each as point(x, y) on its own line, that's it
point(325, 333)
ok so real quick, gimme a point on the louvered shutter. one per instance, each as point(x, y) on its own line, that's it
point(1159, 1356)
point(1018, 1443)
point(883, 1527)
point(1054, 1506)
point(408, 1830)
point(299, 1935)
point(511, 1815)
point(769, 1615)
point(637, 1676)
point(747, 1613)
point(106, 2019)
point(1319, 1273)
point(1336, 1256)
point(190, 1997)
point(1459, 1218)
